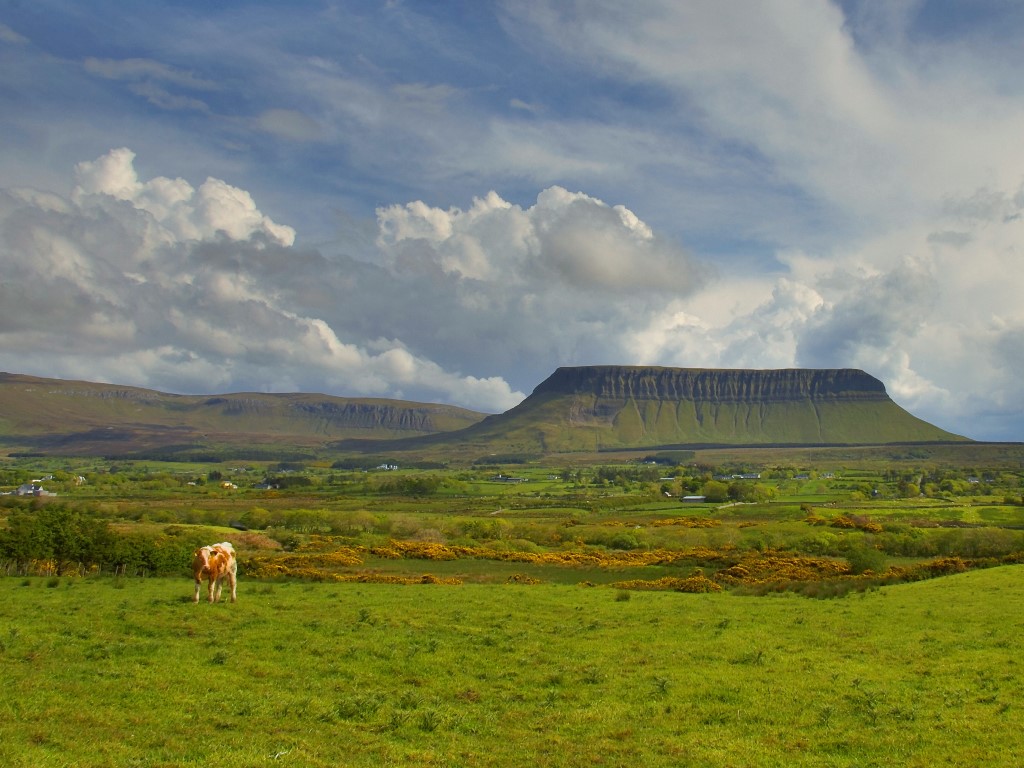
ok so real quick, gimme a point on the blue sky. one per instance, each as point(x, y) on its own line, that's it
point(446, 201)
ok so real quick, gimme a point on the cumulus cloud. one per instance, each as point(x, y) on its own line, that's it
point(868, 312)
point(566, 238)
point(161, 284)
point(182, 212)
point(567, 280)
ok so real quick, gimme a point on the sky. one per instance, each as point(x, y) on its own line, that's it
point(446, 201)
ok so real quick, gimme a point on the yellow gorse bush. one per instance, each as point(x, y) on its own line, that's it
point(764, 567)
point(688, 522)
point(698, 583)
point(315, 560)
point(734, 567)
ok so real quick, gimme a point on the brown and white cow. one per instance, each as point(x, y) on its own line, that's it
point(217, 562)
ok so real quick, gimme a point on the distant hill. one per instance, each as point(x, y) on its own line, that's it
point(59, 417)
point(583, 409)
point(600, 408)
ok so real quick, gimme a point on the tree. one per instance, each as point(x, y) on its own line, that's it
point(908, 489)
point(715, 491)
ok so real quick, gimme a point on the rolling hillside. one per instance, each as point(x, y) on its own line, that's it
point(82, 418)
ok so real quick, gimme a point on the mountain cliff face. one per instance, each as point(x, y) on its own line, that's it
point(332, 415)
point(614, 407)
point(722, 385)
point(396, 417)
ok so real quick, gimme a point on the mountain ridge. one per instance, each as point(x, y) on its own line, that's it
point(72, 416)
point(576, 409)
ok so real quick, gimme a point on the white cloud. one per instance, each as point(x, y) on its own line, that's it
point(164, 99)
point(880, 127)
point(159, 284)
point(154, 274)
point(566, 238)
point(145, 70)
point(183, 212)
point(152, 80)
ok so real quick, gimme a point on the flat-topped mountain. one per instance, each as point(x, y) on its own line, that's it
point(616, 407)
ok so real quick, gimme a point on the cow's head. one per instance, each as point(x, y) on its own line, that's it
point(202, 555)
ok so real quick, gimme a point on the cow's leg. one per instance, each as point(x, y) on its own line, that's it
point(212, 587)
point(232, 581)
point(199, 585)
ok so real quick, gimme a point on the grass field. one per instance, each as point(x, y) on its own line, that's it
point(128, 672)
point(527, 648)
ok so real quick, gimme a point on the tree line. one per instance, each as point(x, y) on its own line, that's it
point(64, 539)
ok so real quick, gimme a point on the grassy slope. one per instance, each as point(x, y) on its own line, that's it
point(550, 423)
point(324, 675)
point(41, 411)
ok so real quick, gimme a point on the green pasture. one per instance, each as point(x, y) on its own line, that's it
point(128, 672)
point(523, 663)
point(494, 572)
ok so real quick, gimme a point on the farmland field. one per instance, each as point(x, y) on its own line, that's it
point(515, 615)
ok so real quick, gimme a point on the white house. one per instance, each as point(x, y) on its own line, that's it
point(33, 489)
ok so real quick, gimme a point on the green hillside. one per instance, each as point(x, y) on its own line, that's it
point(81, 418)
point(615, 407)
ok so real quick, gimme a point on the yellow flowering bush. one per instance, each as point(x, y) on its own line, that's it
point(373, 577)
point(856, 522)
point(688, 522)
point(729, 567)
point(521, 578)
point(759, 568)
point(698, 583)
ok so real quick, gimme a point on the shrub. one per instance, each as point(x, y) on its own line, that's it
point(698, 583)
point(864, 558)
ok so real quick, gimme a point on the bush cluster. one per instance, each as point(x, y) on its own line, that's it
point(697, 583)
point(61, 539)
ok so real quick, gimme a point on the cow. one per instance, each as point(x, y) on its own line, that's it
point(217, 562)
